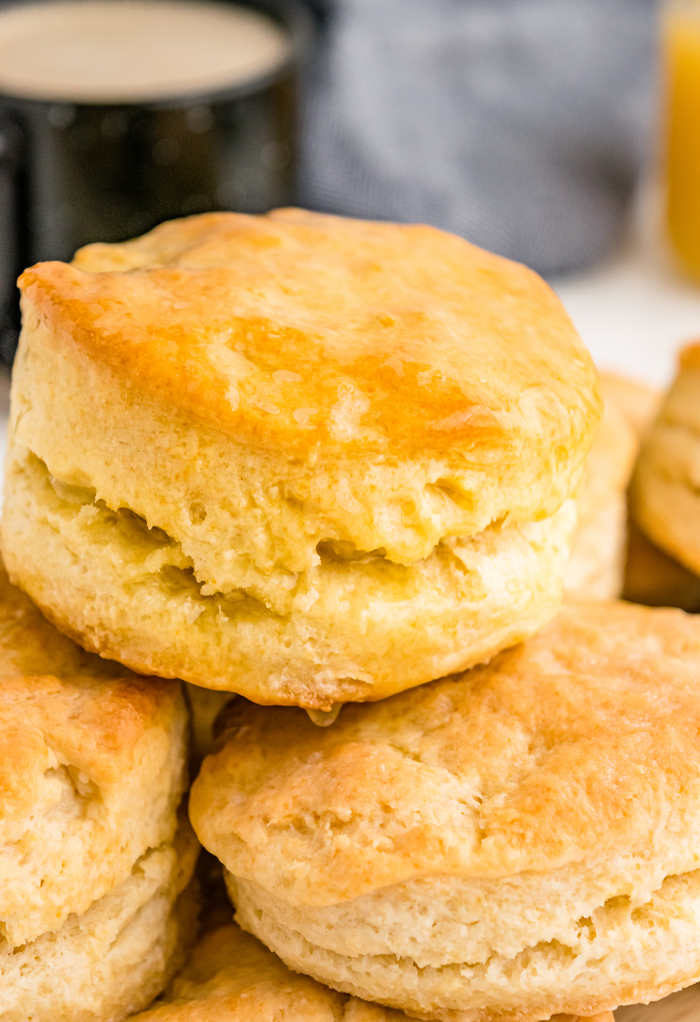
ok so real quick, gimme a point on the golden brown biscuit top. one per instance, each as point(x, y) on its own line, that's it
point(583, 741)
point(60, 705)
point(301, 329)
point(232, 977)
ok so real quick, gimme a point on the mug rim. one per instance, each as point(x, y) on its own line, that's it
point(293, 15)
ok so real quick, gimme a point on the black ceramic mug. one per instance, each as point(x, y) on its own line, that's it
point(89, 160)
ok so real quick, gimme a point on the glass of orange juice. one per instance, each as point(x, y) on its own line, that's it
point(681, 151)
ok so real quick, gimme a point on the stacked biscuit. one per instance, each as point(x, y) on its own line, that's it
point(96, 913)
point(314, 462)
point(514, 842)
point(299, 458)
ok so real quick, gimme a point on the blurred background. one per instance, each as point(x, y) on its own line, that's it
point(521, 124)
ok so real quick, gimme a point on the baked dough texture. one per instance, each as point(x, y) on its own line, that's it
point(115, 958)
point(597, 565)
point(126, 591)
point(231, 977)
point(308, 413)
point(666, 488)
point(91, 771)
point(510, 843)
point(92, 864)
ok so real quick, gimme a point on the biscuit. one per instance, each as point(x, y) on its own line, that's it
point(666, 487)
point(114, 958)
point(596, 568)
point(291, 455)
point(506, 844)
point(92, 763)
point(92, 769)
point(231, 977)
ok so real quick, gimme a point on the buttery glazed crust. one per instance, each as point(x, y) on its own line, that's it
point(548, 721)
point(517, 841)
point(91, 771)
point(468, 333)
point(231, 977)
point(666, 488)
point(299, 406)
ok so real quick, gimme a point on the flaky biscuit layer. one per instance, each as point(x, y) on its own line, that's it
point(622, 953)
point(130, 593)
point(114, 958)
point(92, 769)
point(233, 978)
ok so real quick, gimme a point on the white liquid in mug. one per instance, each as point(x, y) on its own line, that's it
point(121, 51)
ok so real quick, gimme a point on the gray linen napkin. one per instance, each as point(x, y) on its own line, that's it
point(519, 124)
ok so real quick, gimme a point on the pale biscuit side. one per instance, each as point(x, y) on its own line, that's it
point(114, 958)
point(619, 956)
point(231, 977)
point(129, 592)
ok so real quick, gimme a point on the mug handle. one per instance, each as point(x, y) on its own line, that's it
point(12, 233)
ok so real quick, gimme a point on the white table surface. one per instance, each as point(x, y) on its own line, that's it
point(634, 315)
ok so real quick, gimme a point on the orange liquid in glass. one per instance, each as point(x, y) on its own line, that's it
point(681, 39)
